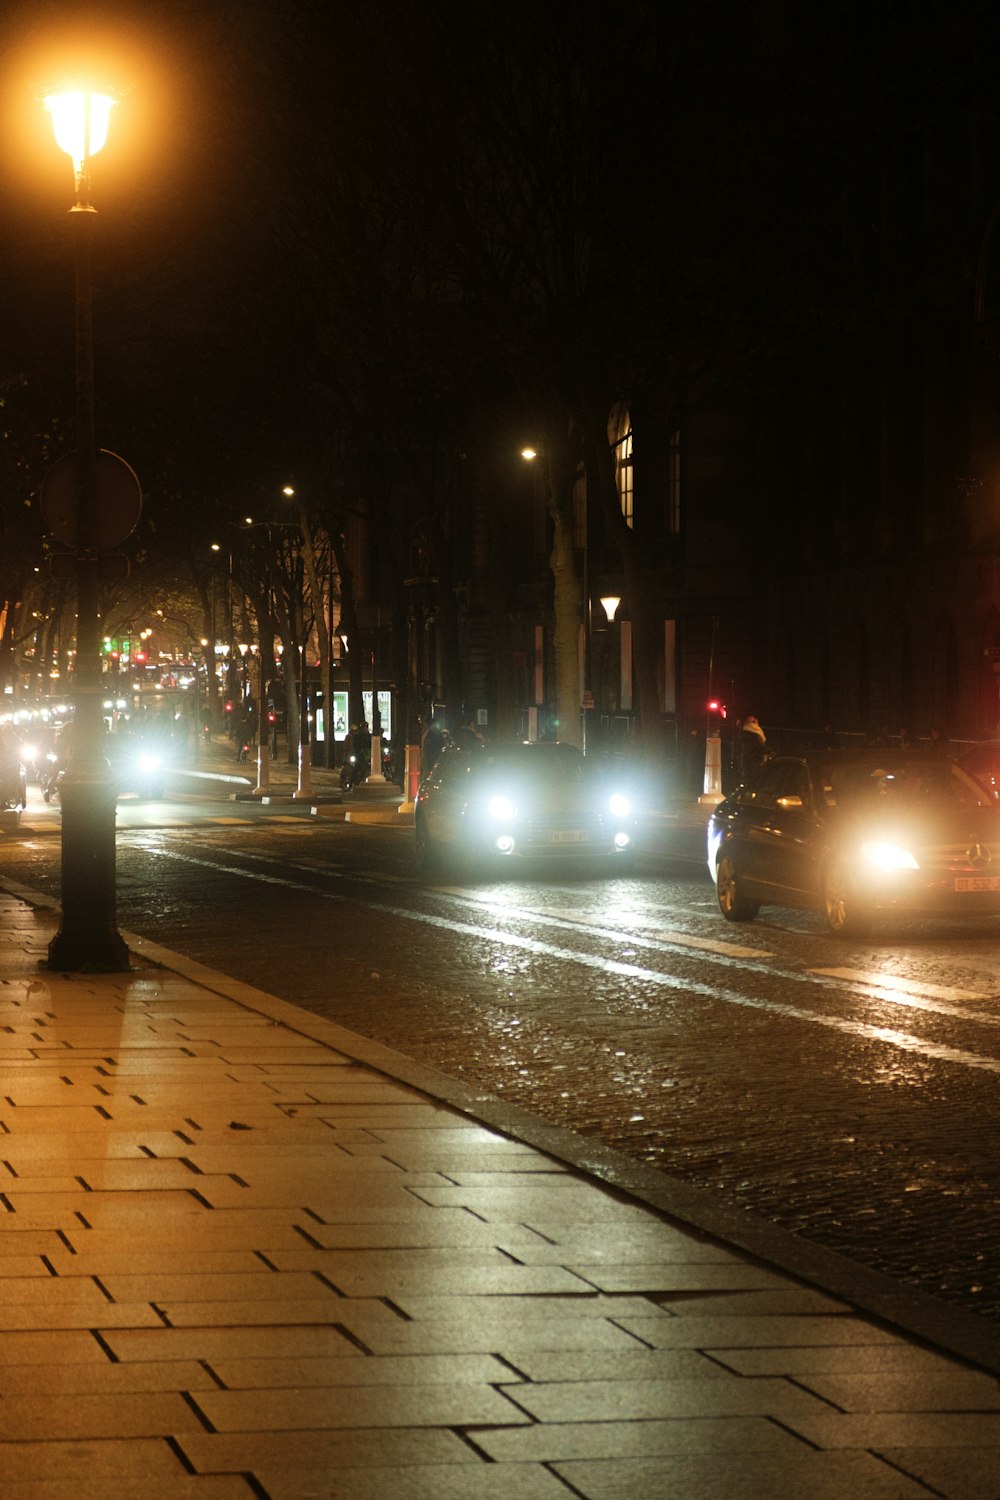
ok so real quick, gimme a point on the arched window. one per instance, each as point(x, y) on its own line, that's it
point(620, 433)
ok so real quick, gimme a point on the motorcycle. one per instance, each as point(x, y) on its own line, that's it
point(13, 786)
point(354, 769)
point(32, 761)
point(138, 769)
point(50, 776)
point(146, 778)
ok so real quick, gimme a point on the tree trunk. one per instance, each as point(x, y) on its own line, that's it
point(349, 625)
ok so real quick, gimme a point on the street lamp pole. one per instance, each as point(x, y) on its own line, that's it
point(88, 938)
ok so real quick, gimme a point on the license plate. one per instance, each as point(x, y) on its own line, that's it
point(977, 883)
point(567, 836)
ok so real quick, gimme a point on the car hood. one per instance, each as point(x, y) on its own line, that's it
point(920, 826)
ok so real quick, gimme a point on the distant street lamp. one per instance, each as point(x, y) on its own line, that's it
point(612, 700)
point(88, 936)
point(582, 605)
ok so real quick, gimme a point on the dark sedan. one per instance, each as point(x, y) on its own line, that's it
point(854, 833)
point(983, 762)
point(541, 799)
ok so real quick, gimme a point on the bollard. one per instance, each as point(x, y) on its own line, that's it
point(712, 793)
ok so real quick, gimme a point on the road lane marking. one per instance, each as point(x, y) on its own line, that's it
point(913, 994)
point(668, 938)
point(901, 1040)
point(879, 980)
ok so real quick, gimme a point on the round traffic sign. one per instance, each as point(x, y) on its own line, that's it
point(117, 498)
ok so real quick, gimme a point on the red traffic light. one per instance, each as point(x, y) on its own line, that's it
point(714, 706)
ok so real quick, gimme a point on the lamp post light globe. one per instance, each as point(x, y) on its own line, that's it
point(80, 121)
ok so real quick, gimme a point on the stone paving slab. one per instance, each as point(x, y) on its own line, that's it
point(242, 1258)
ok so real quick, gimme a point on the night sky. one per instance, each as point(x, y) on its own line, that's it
point(371, 213)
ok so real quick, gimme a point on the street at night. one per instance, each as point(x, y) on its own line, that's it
point(500, 750)
point(842, 1091)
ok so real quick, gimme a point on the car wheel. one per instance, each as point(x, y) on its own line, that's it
point(846, 914)
point(733, 904)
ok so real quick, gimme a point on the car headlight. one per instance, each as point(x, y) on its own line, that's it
point(501, 808)
point(889, 857)
point(148, 763)
point(619, 806)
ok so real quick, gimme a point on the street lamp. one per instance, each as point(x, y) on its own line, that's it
point(612, 701)
point(88, 936)
point(571, 602)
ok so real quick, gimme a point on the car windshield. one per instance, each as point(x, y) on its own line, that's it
point(885, 781)
point(553, 763)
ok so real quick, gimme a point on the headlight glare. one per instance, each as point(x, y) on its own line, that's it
point(501, 808)
point(619, 805)
point(889, 857)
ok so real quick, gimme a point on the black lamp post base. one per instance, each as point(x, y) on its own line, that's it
point(89, 952)
point(88, 940)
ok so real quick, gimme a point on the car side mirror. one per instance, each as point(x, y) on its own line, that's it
point(789, 803)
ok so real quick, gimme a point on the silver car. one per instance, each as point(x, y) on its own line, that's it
point(507, 801)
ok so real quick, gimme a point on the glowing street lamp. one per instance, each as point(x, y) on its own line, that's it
point(88, 937)
point(80, 121)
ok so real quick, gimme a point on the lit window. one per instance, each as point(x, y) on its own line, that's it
point(622, 444)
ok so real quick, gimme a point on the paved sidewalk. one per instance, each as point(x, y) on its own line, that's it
point(249, 1253)
point(215, 763)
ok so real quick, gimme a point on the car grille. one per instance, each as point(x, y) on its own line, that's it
point(964, 858)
